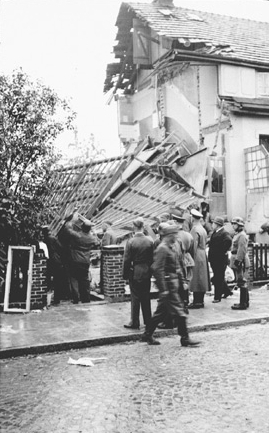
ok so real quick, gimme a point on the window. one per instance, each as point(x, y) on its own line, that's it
point(257, 167)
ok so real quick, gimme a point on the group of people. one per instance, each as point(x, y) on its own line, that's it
point(177, 259)
point(69, 256)
point(179, 262)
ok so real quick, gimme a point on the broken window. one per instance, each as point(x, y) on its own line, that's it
point(264, 141)
point(217, 169)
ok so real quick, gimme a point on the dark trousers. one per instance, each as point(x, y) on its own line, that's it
point(80, 283)
point(140, 295)
point(56, 280)
point(173, 305)
point(221, 287)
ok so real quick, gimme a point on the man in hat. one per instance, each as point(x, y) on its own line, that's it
point(240, 262)
point(219, 244)
point(137, 260)
point(80, 246)
point(166, 269)
point(200, 282)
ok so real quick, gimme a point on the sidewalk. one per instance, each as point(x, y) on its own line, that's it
point(71, 326)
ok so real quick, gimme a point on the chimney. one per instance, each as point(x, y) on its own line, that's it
point(164, 3)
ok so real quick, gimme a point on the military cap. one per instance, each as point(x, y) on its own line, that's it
point(196, 214)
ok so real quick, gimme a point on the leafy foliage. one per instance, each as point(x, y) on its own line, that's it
point(31, 117)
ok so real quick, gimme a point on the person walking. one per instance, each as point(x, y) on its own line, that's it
point(200, 282)
point(185, 241)
point(80, 246)
point(219, 244)
point(240, 262)
point(166, 269)
point(137, 260)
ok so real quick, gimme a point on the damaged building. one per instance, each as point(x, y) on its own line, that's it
point(203, 79)
point(192, 90)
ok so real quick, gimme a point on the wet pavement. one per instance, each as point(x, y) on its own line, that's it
point(220, 386)
point(70, 326)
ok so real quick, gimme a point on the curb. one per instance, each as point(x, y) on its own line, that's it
point(116, 339)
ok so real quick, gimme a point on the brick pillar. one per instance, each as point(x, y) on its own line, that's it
point(39, 282)
point(113, 283)
point(251, 267)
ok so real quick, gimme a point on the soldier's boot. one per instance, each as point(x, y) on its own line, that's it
point(244, 296)
point(150, 340)
point(183, 332)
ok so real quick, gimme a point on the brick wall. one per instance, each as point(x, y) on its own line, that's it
point(113, 283)
point(39, 282)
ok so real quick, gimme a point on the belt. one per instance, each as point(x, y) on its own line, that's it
point(171, 277)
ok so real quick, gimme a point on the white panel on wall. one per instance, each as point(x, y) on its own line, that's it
point(230, 80)
point(247, 82)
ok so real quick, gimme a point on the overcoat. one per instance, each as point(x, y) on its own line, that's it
point(200, 281)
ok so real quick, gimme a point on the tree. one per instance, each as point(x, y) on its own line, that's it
point(31, 117)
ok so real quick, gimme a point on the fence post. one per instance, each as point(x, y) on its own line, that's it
point(251, 267)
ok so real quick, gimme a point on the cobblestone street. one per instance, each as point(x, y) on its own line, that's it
point(222, 386)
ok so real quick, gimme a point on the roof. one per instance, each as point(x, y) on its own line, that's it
point(191, 35)
point(248, 39)
point(146, 182)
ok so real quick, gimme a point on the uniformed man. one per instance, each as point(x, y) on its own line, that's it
point(137, 260)
point(165, 269)
point(240, 262)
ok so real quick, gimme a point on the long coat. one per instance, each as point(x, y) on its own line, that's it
point(200, 281)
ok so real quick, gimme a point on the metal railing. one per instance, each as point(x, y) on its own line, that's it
point(260, 262)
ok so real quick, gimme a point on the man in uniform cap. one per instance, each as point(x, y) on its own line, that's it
point(137, 260)
point(165, 269)
point(240, 262)
point(219, 244)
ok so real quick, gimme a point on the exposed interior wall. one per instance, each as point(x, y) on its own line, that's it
point(181, 104)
